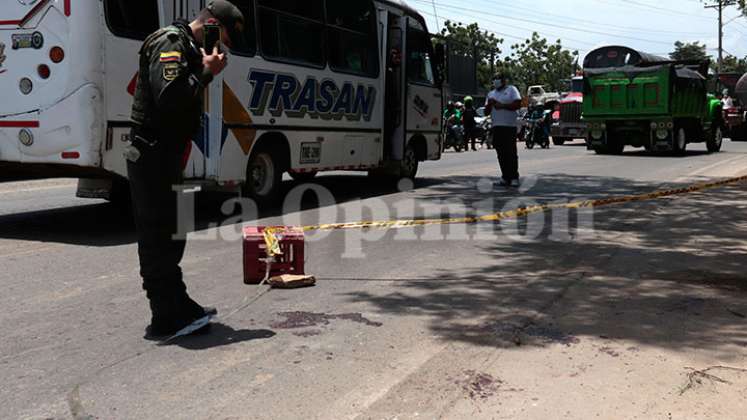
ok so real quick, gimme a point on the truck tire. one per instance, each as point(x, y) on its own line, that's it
point(679, 141)
point(601, 150)
point(615, 144)
point(616, 148)
point(263, 177)
point(715, 139)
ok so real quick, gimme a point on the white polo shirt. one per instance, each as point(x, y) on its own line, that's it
point(505, 96)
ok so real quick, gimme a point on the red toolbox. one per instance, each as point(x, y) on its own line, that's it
point(291, 261)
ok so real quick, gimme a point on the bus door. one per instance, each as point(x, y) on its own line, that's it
point(394, 113)
point(423, 98)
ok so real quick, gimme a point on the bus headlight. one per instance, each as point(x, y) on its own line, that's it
point(653, 126)
point(597, 134)
point(26, 137)
point(26, 86)
point(662, 134)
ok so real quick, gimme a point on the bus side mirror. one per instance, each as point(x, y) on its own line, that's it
point(439, 56)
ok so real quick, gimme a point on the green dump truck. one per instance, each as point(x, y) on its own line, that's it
point(636, 99)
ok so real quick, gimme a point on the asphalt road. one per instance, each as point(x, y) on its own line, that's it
point(617, 313)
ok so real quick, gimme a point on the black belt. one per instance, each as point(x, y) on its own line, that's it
point(144, 136)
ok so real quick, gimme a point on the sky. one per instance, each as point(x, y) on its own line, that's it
point(652, 26)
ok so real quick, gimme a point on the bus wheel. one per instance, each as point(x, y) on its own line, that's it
point(409, 164)
point(679, 146)
point(120, 195)
point(303, 176)
point(263, 178)
point(559, 141)
point(715, 140)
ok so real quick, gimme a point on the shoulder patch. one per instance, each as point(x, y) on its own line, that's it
point(171, 57)
point(171, 71)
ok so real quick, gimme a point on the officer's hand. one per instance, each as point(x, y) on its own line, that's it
point(214, 62)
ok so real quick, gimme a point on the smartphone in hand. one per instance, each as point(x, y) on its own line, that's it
point(212, 38)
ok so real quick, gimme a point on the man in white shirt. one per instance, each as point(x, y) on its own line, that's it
point(504, 101)
point(727, 102)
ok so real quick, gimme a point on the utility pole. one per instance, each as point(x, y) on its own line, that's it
point(720, 6)
point(435, 13)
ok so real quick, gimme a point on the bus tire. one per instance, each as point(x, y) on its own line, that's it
point(120, 195)
point(715, 139)
point(559, 141)
point(303, 176)
point(264, 176)
point(410, 163)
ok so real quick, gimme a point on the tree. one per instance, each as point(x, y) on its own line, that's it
point(539, 62)
point(689, 51)
point(470, 41)
point(733, 64)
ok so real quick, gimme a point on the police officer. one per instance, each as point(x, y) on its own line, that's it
point(167, 111)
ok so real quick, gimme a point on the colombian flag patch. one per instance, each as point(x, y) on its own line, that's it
point(171, 57)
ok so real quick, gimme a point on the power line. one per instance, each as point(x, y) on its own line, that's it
point(662, 9)
point(519, 38)
point(482, 13)
point(606, 24)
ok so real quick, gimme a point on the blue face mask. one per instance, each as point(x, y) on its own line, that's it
point(498, 84)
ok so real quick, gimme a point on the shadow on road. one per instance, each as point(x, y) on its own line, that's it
point(105, 224)
point(221, 335)
point(667, 273)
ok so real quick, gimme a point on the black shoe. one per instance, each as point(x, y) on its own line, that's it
point(172, 315)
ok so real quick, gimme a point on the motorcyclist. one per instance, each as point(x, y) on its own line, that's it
point(453, 119)
point(452, 112)
point(469, 123)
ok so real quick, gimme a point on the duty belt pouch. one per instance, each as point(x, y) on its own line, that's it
point(140, 139)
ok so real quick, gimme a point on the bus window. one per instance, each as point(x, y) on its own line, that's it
point(135, 19)
point(351, 32)
point(248, 45)
point(419, 66)
point(292, 31)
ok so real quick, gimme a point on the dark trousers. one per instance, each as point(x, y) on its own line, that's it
point(470, 136)
point(504, 142)
point(152, 177)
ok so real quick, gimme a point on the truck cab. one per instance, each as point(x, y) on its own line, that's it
point(568, 123)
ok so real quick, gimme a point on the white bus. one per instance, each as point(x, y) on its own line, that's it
point(311, 88)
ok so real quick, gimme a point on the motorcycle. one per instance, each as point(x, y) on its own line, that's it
point(454, 137)
point(537, 122)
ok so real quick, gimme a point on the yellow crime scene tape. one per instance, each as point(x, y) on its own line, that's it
point(273, 246)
